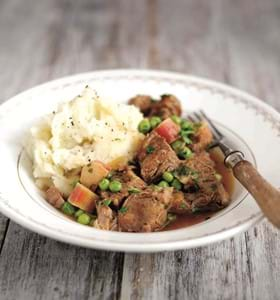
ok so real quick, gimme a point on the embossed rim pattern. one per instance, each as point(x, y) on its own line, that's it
point(269, 115)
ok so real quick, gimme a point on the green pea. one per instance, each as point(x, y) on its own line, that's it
point(176, 184)
point(185, 153)
point(78, 213)
point(84, 219)
point(155, 121)
point(177, 145)
point(167, 176)
point(144, 126)
point(176, 119)
point(68, 209)
point(186, 125)
point(104, 184)
point(163, 184)
point(115, 186)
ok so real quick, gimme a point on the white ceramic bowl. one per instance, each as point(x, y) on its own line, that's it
point(252, 127)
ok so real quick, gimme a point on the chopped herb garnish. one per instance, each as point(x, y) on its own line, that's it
point(72, 123)
point(186, 139)
point(196, 126)
point(123, 210)
point(117, 139)
point(74, 183)
point(196, 210)
point(133, 190)
point(156, 187)
point(195, 175)
point(183, 205)
point(183, 170)
point(171, 217)
point(194, 188)
point(213, 187)
point(150, 149)
point(107, 202)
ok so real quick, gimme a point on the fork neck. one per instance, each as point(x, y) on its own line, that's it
point(232, 157)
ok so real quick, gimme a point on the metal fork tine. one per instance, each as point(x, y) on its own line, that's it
point(191, 118)
point(198, 116)
point(214, 129)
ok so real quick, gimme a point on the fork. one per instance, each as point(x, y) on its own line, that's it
point(267, 196)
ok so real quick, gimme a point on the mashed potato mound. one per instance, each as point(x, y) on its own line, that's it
point(85, 129)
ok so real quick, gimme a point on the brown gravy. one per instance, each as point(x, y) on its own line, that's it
point(228, 182)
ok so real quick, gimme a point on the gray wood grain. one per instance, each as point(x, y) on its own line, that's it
point(4, 223)
point(236, 42)
point(34, 267)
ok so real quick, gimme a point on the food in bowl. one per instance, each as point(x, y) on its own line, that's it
point(136, 167)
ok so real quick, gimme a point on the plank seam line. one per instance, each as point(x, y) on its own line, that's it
point(4, 236)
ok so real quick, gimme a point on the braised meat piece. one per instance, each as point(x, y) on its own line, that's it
point(202, 138)
point(203, 191)
point(156, 157)
point(143, 102)
point(106, 218)
point(211, 197)
point(199, 167)
point(179, 204)
point(130, 182)
point(146, 211)
point(168, 106)
point(54, 197)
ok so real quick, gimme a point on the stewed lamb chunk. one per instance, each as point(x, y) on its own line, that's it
point(179, 203)
point(54, 197)
point(166, 107)
point(156, 157)
point(203, 189)
point(143, 102)
point(106, 217)
point(130, 182)
point(202, 138)
point(146, 211)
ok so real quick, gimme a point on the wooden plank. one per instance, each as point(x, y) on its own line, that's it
point(34, 267)
point(244, 267)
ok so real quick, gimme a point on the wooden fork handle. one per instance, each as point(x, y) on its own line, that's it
point(267, 196)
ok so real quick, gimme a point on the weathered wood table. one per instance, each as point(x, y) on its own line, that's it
point(236, 42)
